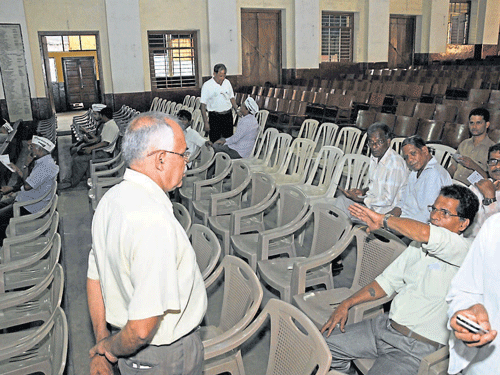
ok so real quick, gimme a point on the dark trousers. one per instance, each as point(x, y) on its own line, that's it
point(221, 125)
point(80, 165)
point(6, 213)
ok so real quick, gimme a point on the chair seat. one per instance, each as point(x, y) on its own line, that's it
point(28, 276)
point(319, 305)
point(313, 191)
point(278, 274)
point(286, 179)
point(209, 332)
point(224, 207)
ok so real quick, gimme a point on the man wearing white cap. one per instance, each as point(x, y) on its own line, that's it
point(104, 140)
point(35, 183)
point(240, 144)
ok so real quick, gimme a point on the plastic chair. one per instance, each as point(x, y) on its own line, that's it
point(349, 140)
point(224, 203)
point(261, 188)
point(320, 178)
point(294, 168)
point(375, 251)
point(155, 104)
point(206, 247)
point(39, 350)
point(275, 155)
point(261, 117)
point(31, 270)
point(325, 136)
point(296, 347)
point(287, 206)
point(199, 167)
point(241, 300)
point(181, 213)
point(329, 226)
point(17, 205)
point(308, 129)
point(102, 181)
point(442, 153)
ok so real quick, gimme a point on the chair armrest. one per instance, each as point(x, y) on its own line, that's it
point(216, 198)
point(198, 185)
point(238, 216)
point(441, 355)
point(214, 276)
point(358, 313)
point(17, 205)
point(301, 267)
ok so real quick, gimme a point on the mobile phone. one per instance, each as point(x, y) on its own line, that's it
point(470, 325)
point(457, 157)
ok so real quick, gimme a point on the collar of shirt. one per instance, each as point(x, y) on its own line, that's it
point(43, 159)
point(385, 158)
point(148, 184)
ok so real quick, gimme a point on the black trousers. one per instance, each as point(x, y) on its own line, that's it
point(221, 125)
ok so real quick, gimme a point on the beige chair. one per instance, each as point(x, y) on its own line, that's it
point(102, 181)
point(182, 215)
point(261, 189)
point(396, 144)
point(276, 154)
point(31, 270)
point(296, 346)
point(17, 205)
point(442, 153)
point(241, 300)
point(199, 167)
point(41, 350)
point(374, 252)
point(285, 208)
point(308, 129)
point(326, 135)
point(261, 117)
point(261, 147)
point(296, 165)
point(320, 177)
point(329, 226)
point(206, 247)
point(95, 168)
point(224, 203)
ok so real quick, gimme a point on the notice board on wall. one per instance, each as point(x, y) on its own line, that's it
point(14, 73)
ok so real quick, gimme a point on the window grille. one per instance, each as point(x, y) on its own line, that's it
point(336, 37)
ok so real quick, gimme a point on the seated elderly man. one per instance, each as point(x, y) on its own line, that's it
point(38, 176)
point(426, 179)
point(387, 175)
point(420, 277)
point(487, 191)
point(104, 141)
point(241, 143)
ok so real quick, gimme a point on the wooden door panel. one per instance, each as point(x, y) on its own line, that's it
point(80, 81)
point(250, 39)
point(268, 39)
point(401, 41)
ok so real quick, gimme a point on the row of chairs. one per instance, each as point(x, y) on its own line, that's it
point(34, 334)
point(48, 129)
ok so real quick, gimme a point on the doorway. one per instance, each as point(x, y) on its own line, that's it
point(261, 46)
point(80, 81)
point(401, 41)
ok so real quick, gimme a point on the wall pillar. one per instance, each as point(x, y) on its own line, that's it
point(378, 30)
point(307, 38)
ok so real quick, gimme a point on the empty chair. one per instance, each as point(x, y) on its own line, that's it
point(308, 129)
point(365, 119)
point(430, 130)
point(155, 104)
point(329, 226)
point(181, 213)
point(479, 96)
point(206, 247)
point(286, 207)
point(262, 188)
point(405, 126)
point(276, 154)
point(297, 347)
point(464, 110)
point(374, 252)
point(199, 167)
point(104, 180)
point(405, 108)
point(424, 110)
point(454, 134)
point(494, 119)
point(261, 147)
point(387, 118)
point(445, 113)
point(298, 159)
point(325, 136)
point(350, 140)
point(261, 117)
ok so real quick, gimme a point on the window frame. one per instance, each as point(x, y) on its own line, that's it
point(350, 28)
point(466, 32)
point(152, 50)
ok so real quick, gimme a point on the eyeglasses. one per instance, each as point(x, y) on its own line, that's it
point(493, 162)
point(380, 142)
point(442, 211)
point(184, 155)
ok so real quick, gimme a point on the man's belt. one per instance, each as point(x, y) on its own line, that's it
point(405, 331)
point(223, 112)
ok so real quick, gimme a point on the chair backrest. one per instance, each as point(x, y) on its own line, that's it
point(181, 213)
point(445, 113)
point(242, 296)
point(348, 140)
point(308, 129)
point(292, 205)
point(365, 119)
point(263, 143)
point(326, 135)
point(222, 163)
point(351, 172)
point(424, 110)
point(186, 100)
point(454, 134)
point(442, 153)
point(155, 104)
point(396, 144)
point(321, 174)
point(405, 108)
point(261, 117)
point(278, 150)
point(375, 251)
point(206, 247)
point(430, 130)
point(405, 126)
point(298, 158)
point(387, 118)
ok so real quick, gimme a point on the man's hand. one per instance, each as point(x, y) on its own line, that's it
point(6, 189)
point(487, 188)
point(337, 319)
point(220, 141)
point(99, 365)
point(87, 150)
point(373, 219)
point(208, 144)
point(478, 314)
point(101, 349)
point(468, 162)
point(353, 194)
point(16, 169)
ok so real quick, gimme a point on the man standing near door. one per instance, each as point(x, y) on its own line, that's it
point(217, 97)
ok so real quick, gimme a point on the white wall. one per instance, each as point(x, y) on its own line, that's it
point(378, 30)
point(438, 26)
point(125, 48)
point(13, 12)
point(307, 34)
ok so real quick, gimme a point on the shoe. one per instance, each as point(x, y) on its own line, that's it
point(64, 186)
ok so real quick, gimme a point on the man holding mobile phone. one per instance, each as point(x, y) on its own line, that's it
point(474, 294)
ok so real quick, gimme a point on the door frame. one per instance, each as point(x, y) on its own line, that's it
point(280, 34)
point(45, 61)
point(414, 18)
point(65, 78)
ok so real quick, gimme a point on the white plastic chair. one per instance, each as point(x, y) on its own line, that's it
point(284, 209)
point(186, 100)
point(396, 144)
point(442, 153)
point(308, 129)
point(206, 247)
point(329, 226)
point(261, 148)
point(276, 154)
point(296, 348)
point(261, 117)
point(199, 168)
point(296, 165)
point(350, 140)
point(155, 104)
point(325, 136)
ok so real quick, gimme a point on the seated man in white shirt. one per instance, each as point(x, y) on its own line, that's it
point(416, 324)
point(487, 191)
point(240, 144)
point(194, 140)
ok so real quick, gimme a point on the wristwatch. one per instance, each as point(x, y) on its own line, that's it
point(488, 201)
point(386, 217)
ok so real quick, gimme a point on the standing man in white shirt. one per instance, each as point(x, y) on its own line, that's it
point(217, 97)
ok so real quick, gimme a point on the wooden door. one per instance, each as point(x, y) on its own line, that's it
point(401, 41)
point(261, 46)
point(80, 81)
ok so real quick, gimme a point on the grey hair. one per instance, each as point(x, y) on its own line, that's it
point(139, 140)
